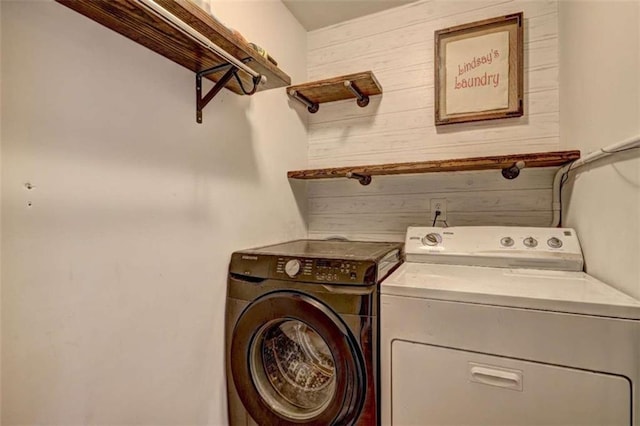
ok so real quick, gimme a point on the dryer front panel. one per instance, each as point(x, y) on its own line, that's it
point(433, 385)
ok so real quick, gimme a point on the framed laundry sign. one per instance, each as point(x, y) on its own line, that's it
point(479, 70)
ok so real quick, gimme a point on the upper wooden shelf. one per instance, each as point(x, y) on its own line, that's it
point(131, 19)
point(363, 85)
point(541, 159)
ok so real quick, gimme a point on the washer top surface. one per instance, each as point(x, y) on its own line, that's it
point(533, 268)
point(329, 249)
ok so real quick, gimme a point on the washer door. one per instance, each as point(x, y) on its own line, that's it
point(294, 361)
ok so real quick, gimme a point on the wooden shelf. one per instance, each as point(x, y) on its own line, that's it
point(334, 89)
point(541, 159)
point(134, 21)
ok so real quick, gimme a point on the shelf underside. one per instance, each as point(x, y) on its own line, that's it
point(134, 21)
point(542, 159)
point(333, 89)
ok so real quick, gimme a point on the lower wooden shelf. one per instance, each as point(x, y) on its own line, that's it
point(505, 162)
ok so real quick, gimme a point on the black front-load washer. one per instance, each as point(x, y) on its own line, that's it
point(302, 332)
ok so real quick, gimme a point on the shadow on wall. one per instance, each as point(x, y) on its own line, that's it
point(117, 102)
point(384, 209)
point(114, 123)
point(629, 176)
point(299, 188)
point(327, 113)
point(486, 124)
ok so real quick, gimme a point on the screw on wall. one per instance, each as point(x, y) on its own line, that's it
point(29, 187)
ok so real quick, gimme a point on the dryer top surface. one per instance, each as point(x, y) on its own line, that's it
point(558, 291)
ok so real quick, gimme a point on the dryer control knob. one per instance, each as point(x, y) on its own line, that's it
point(554, 242)
point(432, 239)
point(506, 242)
point(530, 242)
point(292, 267)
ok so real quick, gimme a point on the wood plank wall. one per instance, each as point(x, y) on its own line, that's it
point(397, 45)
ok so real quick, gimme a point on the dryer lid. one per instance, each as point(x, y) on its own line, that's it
point(558, 291)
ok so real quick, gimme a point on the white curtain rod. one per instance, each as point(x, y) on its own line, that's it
point(177, 23)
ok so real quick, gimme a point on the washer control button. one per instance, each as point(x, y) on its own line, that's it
point(530, 242)
point(506, 242)
point(432, 239)
point(554, 242)
point(292, 268)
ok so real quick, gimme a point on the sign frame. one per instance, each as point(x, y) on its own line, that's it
point(513, 24)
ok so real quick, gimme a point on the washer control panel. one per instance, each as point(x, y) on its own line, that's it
point(544, 248)
point(293, 267)
point(322, 270)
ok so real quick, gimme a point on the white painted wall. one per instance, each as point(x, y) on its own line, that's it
point(114, 264)
point(397, 45)
point(600, 105)
point(1, 198)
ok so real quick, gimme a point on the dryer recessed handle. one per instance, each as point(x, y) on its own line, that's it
point(495, 376)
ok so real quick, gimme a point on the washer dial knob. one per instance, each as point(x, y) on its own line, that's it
point(530, 242)
point(554, 242)
point(292, 267)
point(432, 239)
point(506, 242)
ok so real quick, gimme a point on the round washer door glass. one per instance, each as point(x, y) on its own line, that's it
point(296, 362)
point(293, 369)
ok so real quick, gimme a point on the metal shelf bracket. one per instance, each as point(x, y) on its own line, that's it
point(312, 107)
point(513, 171)
point(232, 71)
point(363, 100)
point(363, 179)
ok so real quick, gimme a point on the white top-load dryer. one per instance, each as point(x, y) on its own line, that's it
point(500, 326)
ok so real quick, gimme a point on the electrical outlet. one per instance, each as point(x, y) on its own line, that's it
point(439, 204)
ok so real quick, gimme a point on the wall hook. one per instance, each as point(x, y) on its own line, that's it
point(513, 171)
point(363, 179)
point(363, 100)
point(312, 107)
